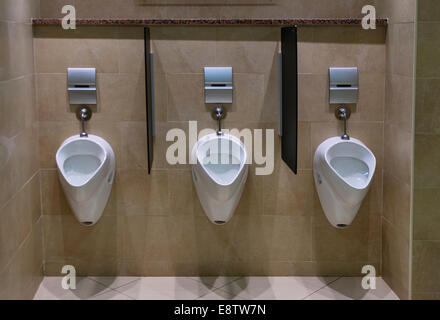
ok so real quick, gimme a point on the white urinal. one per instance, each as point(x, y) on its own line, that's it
point(86, 167)
point(343, 170)
point(219, 175)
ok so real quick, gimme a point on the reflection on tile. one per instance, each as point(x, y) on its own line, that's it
point(351, 289)
point(220, 294)
point(111, 295)
point(276, 288)
point(162, 288)
point(215, 282)
point(51, 289)
point(114, 282)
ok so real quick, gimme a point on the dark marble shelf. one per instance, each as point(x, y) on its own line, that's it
point(203, 22)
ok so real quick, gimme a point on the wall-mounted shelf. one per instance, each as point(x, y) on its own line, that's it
point(201, 22)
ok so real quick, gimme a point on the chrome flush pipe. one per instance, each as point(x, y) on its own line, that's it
point(83, 114)
point(343, 113)
point(219, 115)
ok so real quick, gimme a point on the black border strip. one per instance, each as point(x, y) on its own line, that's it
point(289, 139)
point(148, 98)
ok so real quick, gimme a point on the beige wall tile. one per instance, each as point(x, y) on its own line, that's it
point(359, 242)
point(248, 50)
point(79, 241)
point(366, 50)
point(397, 204)
point(21, 278)
point(428, 49)
point(182, 193)
point(426, 259)
point(287, 194)
point(371, 105)
point(428, 10)
point(138, 193)
point(270, 238)
point(399, 101)
point(53, 200)
point(121, 97)
point(425, 296)
point(397, 10)
point(395, 259)
point(426, 171)
point(17, 110)
point(186, 98)
point(18, 163)
point(426, 218)
point(52, 8)
point(131, 50)
point(52, 97)
point(143, 237)
point(182, 237)
point(183, 50)
point(118, 9)
point(398, 152)
point(19, 10)
point(86, 47)
point(427, 107)
point(16, 59)
point(251, 202)
point(17, 219)
point(53, 238)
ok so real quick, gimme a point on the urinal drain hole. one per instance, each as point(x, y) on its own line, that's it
point(341, 225)
point(87, 223)
point(219, 222)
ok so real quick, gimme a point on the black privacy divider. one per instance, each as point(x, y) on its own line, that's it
point(289, 139)
point(148, 96)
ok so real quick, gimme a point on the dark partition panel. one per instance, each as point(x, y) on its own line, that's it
point(148, 96)
point(289, 110)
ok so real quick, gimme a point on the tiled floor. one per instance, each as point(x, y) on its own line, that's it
point(214, 288)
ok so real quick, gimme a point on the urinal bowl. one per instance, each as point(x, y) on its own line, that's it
point(343, 171)
point(220, 182)
point(86, 167)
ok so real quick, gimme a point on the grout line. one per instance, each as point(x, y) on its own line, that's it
point(322, 288)
point(226, 284)
point(111, 290)
point(97, 281)
point(214, 288)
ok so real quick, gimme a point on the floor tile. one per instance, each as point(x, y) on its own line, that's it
point(215, 282)
point(279, 288)
point(114, 282)
point(51, 289)
point(165, 288)
point(350, 288)
point(220, 294)
point(111, 295)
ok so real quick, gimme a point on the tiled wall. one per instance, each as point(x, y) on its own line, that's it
point(398, 136)
point(197, 9)
point(21, 256)
point(426, 237)
point(154, 225)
